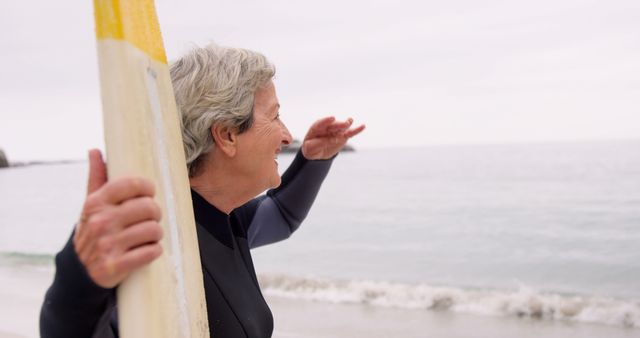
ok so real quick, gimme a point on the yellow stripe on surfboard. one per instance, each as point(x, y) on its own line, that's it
point(134, 21)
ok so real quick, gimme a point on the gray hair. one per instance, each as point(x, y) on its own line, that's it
point(216, 85)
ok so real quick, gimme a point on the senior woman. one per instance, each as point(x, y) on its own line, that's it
point(232, 136)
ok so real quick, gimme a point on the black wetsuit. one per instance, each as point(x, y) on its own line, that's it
point(74, 306)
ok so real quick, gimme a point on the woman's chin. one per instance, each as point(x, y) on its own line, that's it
point(275, 182)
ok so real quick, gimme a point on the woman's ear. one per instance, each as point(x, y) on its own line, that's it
point(225, 138)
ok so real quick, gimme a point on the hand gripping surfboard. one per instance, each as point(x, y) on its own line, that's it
point(164, 299)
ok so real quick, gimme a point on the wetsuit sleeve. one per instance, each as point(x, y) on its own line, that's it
point(74, 306)
point(276, 215)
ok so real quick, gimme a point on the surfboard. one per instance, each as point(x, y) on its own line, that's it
point(164, 299)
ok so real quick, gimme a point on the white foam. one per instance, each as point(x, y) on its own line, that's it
point(521, 302)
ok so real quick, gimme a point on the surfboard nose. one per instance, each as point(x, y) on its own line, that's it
point(133, 21)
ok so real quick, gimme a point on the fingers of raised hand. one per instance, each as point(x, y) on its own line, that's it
point(342, 129)
point(345, 131)
point(328, 126)
point(339, 126)
point(319, 127)
point(322, 123)
point(355, 131)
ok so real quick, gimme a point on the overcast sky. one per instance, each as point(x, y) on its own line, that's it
point(416, 72)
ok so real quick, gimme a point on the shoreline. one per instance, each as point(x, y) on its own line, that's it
point(24, 289)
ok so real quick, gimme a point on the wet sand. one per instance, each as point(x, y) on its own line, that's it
point(9, 335)
point(296, 318)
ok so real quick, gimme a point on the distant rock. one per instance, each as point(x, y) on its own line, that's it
point(295, 145)
point(292, 147)
point(3, 160)
point(47, 162)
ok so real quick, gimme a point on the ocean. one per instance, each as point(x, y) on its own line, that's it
point(545, 232)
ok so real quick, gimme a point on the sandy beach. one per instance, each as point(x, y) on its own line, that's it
point(24, 288)
point(20, 299)
point(296, 318)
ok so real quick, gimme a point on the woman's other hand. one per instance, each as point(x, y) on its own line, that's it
point(327, 137)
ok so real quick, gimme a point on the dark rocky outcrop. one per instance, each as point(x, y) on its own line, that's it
point(3, 160)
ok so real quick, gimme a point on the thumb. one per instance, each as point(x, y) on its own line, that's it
point(311, 148)
point(97, 171)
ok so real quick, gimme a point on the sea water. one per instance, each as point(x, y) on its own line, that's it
point(547, 231)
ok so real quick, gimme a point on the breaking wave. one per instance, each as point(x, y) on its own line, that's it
point(522, 302)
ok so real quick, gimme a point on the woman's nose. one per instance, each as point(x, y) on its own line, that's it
point(286, 136)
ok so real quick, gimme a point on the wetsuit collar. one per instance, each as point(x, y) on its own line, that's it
point(216, 222)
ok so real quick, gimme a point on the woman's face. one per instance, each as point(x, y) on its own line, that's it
point(259, 146)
